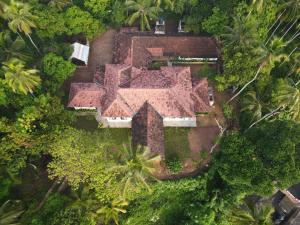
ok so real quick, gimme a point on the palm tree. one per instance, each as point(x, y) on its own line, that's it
point(251, 213)
point(258, 4)
point(240, 33)
point(137, 165)
point(268, 56)
point(9, 213)
point(292, 9)
point(20, 19)
point(12, 47)
point(169, 4)
point(288, 97)
point(143, 10)
point(18, 78)
point(59, 4)
point(111, 212)
point(252, 104)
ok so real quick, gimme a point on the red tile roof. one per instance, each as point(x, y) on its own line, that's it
point(85, 95)
point(147, 129)
point(138, 51)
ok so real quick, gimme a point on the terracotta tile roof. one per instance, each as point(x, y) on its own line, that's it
point(138, 51)
point(85, 95)
point(200, 95)
point(167, 90)
point(156, 52)
point(147, 129)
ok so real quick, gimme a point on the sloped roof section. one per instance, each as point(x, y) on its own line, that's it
point(85, 95)
point(147, 129)
point(200, 95)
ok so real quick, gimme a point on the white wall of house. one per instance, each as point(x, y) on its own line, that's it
point(89, 108)
point(116, 122)
point(179, 122)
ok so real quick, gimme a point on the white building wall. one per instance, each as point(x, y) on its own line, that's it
point(89, 108)
point(116, 122)
point(179, 122)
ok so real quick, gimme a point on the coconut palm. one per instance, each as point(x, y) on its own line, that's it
point(111, 212)
point(288, 97)
point(268, 55)
point(137, 166)
point(18, 78)
point(252, 104)
point(12, 47)
point(143, 10)
point(258, 4)
point(20, 19)
point(292, 8)
point(251, 213)
point(9, 213)
point(240, 33)
point(169, 4)
point(59, 4)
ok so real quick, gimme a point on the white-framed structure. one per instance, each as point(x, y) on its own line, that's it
point(80, 52)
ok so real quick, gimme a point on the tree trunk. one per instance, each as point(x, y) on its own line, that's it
point(51, 189)
point(268, 115)
point(288, 29)
point(63, 185)
point(222, 130)
point(246, 85)
point(33, 43)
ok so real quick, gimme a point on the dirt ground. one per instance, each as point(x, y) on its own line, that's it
point(101, 53)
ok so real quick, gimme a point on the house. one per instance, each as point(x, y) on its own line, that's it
point(130, 95)
point(287, 206)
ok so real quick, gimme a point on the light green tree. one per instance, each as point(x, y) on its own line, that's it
point(20, 19)
point(142, 10)
point(18, 78)
point(110, 213)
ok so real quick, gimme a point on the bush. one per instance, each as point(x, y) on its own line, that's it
point(174, 164)
point(227, 111)
point(58, 69)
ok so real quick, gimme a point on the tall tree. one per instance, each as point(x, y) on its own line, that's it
point(252, 104)
point(136, 167)
point(18, 78)
point(252, 213)
point(143, 10)
point(9, 213)
point(12, 47)
point(20, 19)
point(288, 97)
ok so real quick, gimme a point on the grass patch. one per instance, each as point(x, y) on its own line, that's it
point(176, 143)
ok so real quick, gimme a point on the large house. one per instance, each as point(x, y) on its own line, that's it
point(129, 94)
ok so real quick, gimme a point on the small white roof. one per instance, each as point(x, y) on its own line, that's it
point(81, 52)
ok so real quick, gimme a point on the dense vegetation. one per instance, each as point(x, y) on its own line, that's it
point(51, 172)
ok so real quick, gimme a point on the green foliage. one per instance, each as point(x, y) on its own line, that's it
point(268, 160)
point(98, 7)
point(57, 68)
point(227, 111)
point(174, 164)
point(18, 78)
point(78, 21)
point(216, 22)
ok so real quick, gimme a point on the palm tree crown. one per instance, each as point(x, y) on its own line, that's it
point(252, 104)
point(9, 213)
point(143, 10)
point(19, 17)
point(18, 78)
point(136, 167)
